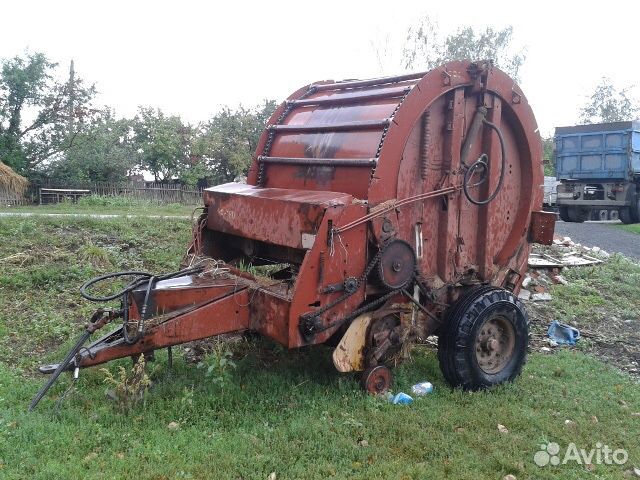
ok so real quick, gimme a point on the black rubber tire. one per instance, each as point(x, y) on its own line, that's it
point(627, 215)
point(564, 214)
point(456, 352)
point(577, 215)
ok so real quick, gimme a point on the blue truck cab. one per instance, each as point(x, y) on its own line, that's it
point(598, 167)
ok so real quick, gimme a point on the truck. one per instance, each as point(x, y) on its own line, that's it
point(598, 167)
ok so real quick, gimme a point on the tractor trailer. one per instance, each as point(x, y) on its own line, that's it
point(598, 167)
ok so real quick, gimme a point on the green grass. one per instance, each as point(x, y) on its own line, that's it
point(596, 293)
point(633, 228)
point(98, 204)
point(296, 416)
point(279, 411)
point(44, 260)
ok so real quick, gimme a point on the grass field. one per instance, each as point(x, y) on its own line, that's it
point(275, 411)
point(105, 205)
point(633, 228)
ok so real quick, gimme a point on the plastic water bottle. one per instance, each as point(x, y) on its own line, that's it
point(402, 399)
point(422, 388)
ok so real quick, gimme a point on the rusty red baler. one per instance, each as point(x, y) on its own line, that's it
point(393, 208)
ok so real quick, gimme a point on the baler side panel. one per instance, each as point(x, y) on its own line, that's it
point(329, 263)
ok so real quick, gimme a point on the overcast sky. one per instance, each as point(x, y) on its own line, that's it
point(190, 57)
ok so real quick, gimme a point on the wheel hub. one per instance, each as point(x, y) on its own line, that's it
point(494, 344)
point(376, 380)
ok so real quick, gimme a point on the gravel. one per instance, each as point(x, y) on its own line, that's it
point(605, 235)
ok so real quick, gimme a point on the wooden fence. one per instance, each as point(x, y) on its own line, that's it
point(160, 193)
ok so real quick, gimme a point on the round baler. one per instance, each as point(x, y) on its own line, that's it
point(383, 211)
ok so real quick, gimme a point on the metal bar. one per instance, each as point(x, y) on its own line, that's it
point(342, 99)
point(338, 127)
point(366, 83)
point(329, 162)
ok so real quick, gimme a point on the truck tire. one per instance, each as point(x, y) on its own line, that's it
point(577, 215)
point(628, 215)
point(484, 341)
point(564, 214)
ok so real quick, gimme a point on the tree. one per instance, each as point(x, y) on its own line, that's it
point(425, 47)
point(163, 143)
point(230, 138)
point(37, 112)
point(548, 146)
point(609, 104)
point(102, 151)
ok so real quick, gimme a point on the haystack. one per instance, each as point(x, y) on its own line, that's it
point(10, 182)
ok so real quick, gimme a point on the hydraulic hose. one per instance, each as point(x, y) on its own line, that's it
point(142, 277)
point(483, 162)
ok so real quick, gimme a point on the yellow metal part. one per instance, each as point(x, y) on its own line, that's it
point(349, 354)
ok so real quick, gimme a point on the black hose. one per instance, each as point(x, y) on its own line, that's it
point(482, 161)
point(143, 276)
point(61, 367)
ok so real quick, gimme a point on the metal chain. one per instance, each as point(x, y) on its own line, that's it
point(272, 134)
point(386, 128)
point(308, 318)
point(358, 311)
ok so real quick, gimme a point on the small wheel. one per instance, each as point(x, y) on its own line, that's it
point(564, 214)
point(484, 342)
point(376, 380)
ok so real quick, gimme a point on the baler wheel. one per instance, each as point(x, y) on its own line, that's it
point(376, 380)
point(484, 342)
point(564, 214)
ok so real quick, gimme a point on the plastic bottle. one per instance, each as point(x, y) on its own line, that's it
point(422, 388)
point(402, 399)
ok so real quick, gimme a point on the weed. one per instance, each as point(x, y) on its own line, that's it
point(128, 388)
point(219, 364)
point(95, 255)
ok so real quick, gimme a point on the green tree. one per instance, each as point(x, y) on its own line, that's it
point(37, 112)
point(426, 47)
point(548, 146)
point(163, 143)
point(230, 138)
point(609, 104)
point(103, 151)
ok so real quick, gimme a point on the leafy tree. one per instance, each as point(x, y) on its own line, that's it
point(548, 146)
point(609, 104)
point(230, 138)
point(38, 113)
point(425, 47)
point(163, 143)
point(102, 152)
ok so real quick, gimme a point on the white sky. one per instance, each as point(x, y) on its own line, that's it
point(190, 58)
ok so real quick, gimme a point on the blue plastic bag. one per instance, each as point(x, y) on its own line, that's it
point(563, 334)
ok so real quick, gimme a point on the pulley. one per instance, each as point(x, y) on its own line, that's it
point(397, 264)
